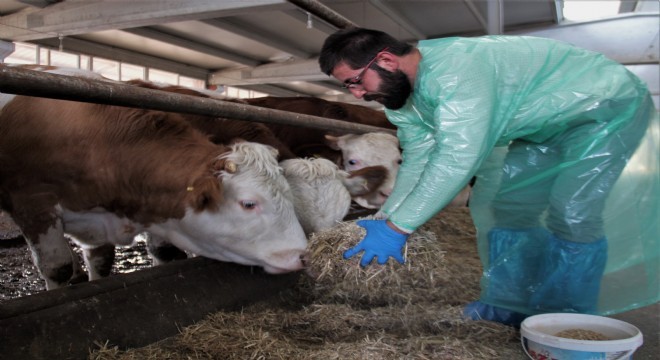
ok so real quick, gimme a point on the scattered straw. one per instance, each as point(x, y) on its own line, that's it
point(411, 311)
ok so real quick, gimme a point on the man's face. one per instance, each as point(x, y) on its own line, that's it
point(393, 91)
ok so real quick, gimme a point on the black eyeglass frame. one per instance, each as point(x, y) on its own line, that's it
point(357, 79)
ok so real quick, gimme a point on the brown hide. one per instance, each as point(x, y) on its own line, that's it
point(220, 130)
point(145, 165)
point(305, 142)
point(324, 108)
point(290, 141)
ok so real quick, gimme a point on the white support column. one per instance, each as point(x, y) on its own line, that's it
point(495, 26)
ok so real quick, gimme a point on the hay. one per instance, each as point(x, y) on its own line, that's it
point(332, 332)
point(333, 280)
point(410, 311)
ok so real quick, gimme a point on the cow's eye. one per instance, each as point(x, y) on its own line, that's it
point(399, 161)
point(248, 204)
point(352, 162)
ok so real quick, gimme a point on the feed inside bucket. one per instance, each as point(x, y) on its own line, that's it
point(578, 337)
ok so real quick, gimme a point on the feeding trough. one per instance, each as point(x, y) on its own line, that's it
point(129, 310)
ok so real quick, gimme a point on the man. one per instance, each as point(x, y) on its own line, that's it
point(547, 128)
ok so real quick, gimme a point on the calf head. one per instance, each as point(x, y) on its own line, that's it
point(319, 195)
point(368, 150)
point(322, 192)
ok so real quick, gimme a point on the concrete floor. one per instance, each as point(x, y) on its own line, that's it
point(647, 319)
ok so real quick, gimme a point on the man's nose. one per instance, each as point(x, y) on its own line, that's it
point(358, 92)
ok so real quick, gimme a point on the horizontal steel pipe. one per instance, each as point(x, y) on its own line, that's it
point(15, 80)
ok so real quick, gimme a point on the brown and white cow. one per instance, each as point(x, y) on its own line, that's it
point(105, 173)
point(380, 150)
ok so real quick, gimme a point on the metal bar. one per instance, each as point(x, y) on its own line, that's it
point(324, 13)
point(14, 80)
point(495, 23)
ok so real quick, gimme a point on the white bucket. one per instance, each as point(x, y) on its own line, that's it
point(538, 340)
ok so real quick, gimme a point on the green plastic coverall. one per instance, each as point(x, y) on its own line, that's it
point(564, 144)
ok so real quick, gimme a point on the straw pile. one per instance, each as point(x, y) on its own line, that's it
point(411, 311)
point(334, 280)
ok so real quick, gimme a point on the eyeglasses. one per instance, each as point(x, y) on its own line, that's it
point(357, 80)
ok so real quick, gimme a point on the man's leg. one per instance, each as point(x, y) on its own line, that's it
point(576, 255)
point(515, 243)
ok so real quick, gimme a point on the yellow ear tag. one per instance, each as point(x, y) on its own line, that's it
point(230, 167)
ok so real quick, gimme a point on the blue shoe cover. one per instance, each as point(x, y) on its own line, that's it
point(569, 280)
point(477, 310)
point(514, 257)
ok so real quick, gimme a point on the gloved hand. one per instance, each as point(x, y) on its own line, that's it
point(380, 242)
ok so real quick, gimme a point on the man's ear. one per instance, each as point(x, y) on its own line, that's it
point(388, 61)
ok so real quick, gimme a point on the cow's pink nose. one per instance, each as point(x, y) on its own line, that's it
point(287, 261)
point(386, 193)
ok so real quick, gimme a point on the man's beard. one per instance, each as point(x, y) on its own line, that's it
point(393, 91)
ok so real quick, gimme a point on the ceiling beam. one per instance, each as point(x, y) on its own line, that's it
point(74, 17)
point(397, 18)
point(306, 70)
point(85, 47)
point(254, 34)
point(157, 35)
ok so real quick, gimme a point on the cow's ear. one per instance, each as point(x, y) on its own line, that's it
point(365, 181)
point(223, 165)
point(332, 142)
point(205, 193)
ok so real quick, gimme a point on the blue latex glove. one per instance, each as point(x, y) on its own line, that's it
point(380, 242)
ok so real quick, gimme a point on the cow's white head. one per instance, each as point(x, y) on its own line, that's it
point(369, 150)
point(254, 222)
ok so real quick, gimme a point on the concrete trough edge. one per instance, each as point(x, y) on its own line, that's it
point(129, 310)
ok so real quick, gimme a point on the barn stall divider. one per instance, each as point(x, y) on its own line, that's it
point(136, 309)
point(14, 80)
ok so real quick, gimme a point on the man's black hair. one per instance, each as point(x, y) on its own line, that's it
point(356, 46)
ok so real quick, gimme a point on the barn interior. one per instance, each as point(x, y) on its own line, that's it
point(270, 48)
